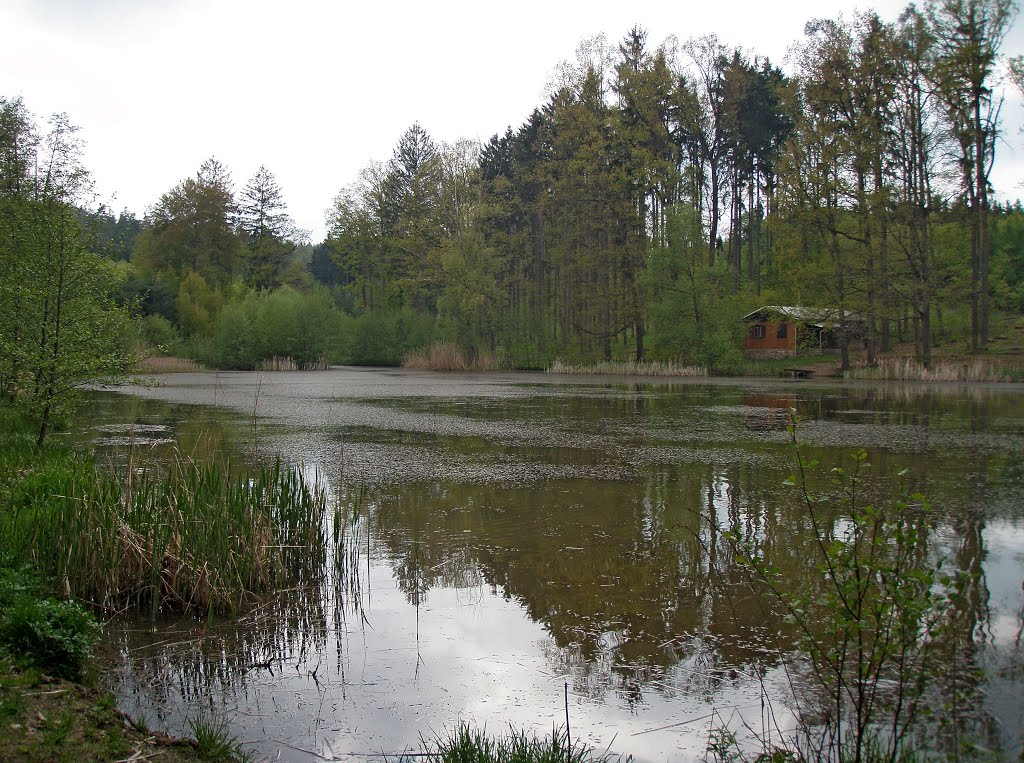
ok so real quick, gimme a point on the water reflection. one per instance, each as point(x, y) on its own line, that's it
point(510, 536)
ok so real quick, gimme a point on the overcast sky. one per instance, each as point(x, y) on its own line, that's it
point(315, 90)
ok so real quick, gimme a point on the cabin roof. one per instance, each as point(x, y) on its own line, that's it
point(822, 317)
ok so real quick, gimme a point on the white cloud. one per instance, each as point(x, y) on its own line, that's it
point(316, 90)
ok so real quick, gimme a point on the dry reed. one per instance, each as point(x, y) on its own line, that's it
point(446, 357)
point(166, 365)
point(903, 368)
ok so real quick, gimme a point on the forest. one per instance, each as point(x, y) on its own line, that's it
point(657, 194)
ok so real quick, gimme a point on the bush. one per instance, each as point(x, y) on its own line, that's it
point(870, 633)
point(157, 335)
point(55, 636)
point(383, 338)
point(303, 326)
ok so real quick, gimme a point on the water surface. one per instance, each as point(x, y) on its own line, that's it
point(518, 532)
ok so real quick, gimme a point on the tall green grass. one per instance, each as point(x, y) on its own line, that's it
point(192, 536)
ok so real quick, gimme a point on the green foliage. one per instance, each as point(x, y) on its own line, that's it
point(198, 305)
point(693, 316)
point(158, 336)
point(60, 326)
point(285, 323)
point(470, 307)
point(190, 229)
point(55, 636)
point(1008, 260)
point(382, 338)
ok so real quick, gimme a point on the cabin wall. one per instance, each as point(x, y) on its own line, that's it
point(762, 339)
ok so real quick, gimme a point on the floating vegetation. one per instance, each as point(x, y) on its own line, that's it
point(628, 368)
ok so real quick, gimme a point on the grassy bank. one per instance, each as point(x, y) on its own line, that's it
point(189, 536)
point(50, 708)
point(50, 719)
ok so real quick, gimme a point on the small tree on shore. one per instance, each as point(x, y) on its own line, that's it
point(61, 326)
point(870, 636)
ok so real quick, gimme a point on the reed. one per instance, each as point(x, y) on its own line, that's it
point(903, 368)
point(468, 743)
point(287, 363)
point(194, 536)
point(628, 368)
point(439, 356)
point(165, 365)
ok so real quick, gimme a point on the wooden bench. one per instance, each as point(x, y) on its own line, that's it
point(799, 373)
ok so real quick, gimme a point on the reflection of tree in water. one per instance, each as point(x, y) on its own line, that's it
point(177, 665)
point(616, 571)
point(633, 580)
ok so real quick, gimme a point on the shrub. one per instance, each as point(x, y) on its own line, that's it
point(54, 636)
point(156, 335)
point(869, 633)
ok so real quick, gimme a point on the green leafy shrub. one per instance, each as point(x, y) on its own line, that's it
point(54, 636)
point(871, 633)
point(157, 335)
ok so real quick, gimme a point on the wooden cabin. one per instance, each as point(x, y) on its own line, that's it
point(777, 331)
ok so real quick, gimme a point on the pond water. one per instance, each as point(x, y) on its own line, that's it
point(514, 533)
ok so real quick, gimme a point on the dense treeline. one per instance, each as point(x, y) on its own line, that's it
point(661, 192)
point(658, 194)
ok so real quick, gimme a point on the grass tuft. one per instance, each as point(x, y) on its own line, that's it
point(213, 741)
point(468, 744)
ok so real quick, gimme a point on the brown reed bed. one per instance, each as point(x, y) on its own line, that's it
point(447, 357)
point(165, 365)
point(961, 369)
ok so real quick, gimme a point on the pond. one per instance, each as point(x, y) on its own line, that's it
point(511, 534)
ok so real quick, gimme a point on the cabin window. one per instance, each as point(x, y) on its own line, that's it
point(757, 331)
point(783, 331)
